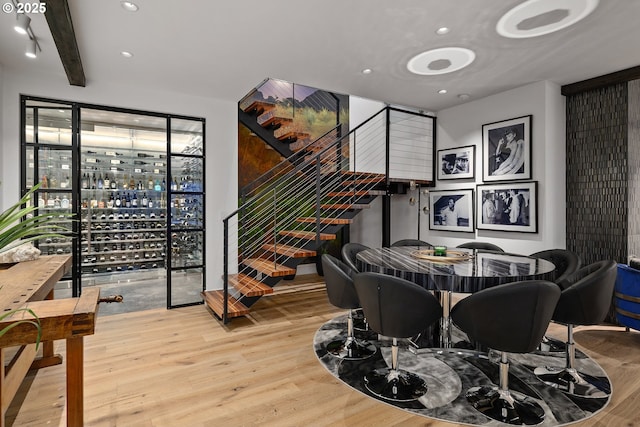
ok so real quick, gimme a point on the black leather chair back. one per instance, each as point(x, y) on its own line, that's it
point(411, 242)
point(395, 307)
point(338, 278)
point(512, 317)
point(566, 263)
point(349, 252)
point(589, 294)
point(481, 245)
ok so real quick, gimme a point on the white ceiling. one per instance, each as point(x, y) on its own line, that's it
point(222, 49)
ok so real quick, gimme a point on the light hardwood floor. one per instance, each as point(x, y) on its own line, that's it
point(183, 368)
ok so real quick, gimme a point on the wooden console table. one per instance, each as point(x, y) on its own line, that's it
point(30, 285)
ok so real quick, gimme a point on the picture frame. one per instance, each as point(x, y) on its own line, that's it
point(495, 209)
point(506, 150)
point(457, 163)
point(494, 265)
point(452, 210)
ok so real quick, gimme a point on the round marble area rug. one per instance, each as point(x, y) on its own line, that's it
point(449, 373)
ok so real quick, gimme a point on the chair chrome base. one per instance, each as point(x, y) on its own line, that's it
point(552, 345)
point(396, 385)
point(573, 382)
point(351, 349)
point(505, 406)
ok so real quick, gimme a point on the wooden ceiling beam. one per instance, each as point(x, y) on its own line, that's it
point(59, 20)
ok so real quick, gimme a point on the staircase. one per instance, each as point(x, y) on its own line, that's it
point(290, 212)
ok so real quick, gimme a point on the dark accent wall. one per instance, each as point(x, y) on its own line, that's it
point(598, 173)
point(634, 167)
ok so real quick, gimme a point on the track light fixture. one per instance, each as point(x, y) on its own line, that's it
point(31, 48)
point(22, 23)
point(23, 26)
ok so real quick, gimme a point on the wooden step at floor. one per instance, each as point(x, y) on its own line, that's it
point(308, 235)
point(215, 301)
point(289, 251)
point(358, 193)
point(345, 206)
point(334, 221)
point(269, 268)
point(249, 286)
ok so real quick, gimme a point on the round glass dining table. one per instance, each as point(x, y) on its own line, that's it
point(461, 270)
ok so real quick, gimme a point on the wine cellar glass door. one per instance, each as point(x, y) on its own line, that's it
point(48, 159)
point(186, 234)
point(123, 188)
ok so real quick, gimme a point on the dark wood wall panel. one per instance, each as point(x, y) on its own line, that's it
point(597, 174)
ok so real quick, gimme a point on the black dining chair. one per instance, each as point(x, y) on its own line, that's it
point(481, 245)
point(509, 318)
point(566, 263)
point(395, 308)
point(410, 242)
point(585, 301)
point(338, 278)
point(349, 252)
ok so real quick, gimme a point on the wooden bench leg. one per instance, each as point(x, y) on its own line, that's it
point(75, 380)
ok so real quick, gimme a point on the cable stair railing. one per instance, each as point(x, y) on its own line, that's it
point(289, 213)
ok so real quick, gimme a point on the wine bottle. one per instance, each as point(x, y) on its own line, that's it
point(107, 181)
point(144, 155)
point(145, 201)
point(118, 201)
point(132, 183)
point(127, 201)
point(110, 202)
point(94, 181)
point(85, 181)
point(150, 184)
point(114, 183)
point(157, 187)
point(164, 184)
point(100, 182)
point(134, 201)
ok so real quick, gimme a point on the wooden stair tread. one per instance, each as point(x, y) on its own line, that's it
point(274, 120)
point(290, 251)
point(249, 286)
point(215, 301)
point(345, 206)
point(371, 180)
point(364, 174)
point(356, 193)
point(269, 267)
point(324, 220)
point(308, 235)
point(258, 106)
point(292, 135)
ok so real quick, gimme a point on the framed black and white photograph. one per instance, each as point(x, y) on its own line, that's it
point(506, 150)
point(457, 163)
point(451, 210)
point(508, 207)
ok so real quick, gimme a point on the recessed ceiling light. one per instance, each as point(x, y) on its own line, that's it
point(129, 6)
point(367, 71)
point(126, 54)
point(442, 31)
point(440, 61)
point(464, 96)
point(442, 91)
point(538, 17)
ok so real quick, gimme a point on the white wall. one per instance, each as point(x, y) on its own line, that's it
point(221, 140)
point(462, 125)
